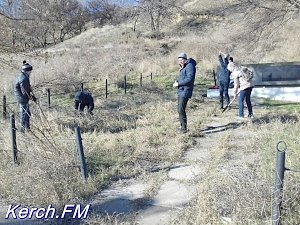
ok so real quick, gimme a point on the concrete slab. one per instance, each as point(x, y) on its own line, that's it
point(120, 198)
point(174, 194)
point(115, 206)
point(185, 173)
point(200, 154)
point(156, 215)
point(130, 192)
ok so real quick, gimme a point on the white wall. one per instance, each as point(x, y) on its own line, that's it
point(273, 93)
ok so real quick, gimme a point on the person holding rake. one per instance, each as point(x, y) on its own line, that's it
point(243, 85)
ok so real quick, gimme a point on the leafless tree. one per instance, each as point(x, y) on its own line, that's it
point(261, 19)
point(37, 23)
point(104, 11)
point(156, 11)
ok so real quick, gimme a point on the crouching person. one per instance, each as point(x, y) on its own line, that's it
point(84, 99)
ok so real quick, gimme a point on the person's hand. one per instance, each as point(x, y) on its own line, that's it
point(175, 84)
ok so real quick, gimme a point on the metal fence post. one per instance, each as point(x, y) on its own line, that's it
point(4, 113)
point(106, 88)
point(13, 138)
point(49, 98)
point(80, 153)
point(151, 76)
point(279, 176)
point(141, 80)
point(214, 74)
point(125, 85)
point(81, 88)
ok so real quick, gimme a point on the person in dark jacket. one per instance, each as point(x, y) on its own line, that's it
point(185, 85)
point(84, 99)
point(23, 94)
point(224, 78)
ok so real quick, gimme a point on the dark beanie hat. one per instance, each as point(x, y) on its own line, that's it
point(26, 66)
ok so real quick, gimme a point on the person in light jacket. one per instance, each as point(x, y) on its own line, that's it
point(243, 85)
point(185, 86)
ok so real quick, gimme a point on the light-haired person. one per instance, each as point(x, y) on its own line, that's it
point(23, 94)
point(185, 86)
point(243, 85)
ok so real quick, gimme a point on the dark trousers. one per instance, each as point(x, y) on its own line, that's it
point(182, 102)
point(224, 92)
point(245, 95)
point(81, 106)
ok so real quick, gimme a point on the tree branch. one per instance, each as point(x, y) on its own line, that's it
point(13, 18)
point(294, 3)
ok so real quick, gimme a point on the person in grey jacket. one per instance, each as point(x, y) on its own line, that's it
point(224, 78)
point(23, 94)
point(185, 85)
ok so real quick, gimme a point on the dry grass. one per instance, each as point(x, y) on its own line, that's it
point(240, 182)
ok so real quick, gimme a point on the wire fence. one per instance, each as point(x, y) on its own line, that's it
point(41, 136)
point(53, 93)
point(105, 89)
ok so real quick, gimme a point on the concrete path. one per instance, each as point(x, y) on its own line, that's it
point(127, 198)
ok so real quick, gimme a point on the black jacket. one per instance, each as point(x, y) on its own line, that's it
point(83, 99)
point(22, 88)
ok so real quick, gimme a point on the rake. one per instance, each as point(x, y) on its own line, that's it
point(230, 102)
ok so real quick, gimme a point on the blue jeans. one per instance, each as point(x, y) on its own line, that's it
point(24, 116)
point(245, 95)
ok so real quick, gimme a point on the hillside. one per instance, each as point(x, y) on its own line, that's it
point(133, 135)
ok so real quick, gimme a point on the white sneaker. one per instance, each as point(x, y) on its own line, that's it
point(251, 116)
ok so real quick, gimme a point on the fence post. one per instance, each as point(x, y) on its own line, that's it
point(279, 176)
point(151, 76)
point(80, 153)
point(125, 85)
point(4, 108)
point(214, 74)
point(141, 80)
point(81, 88)
point(13, 138)
point(49, 98)
point(106, 88)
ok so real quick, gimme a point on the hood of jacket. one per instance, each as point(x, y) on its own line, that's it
point(192, 61)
